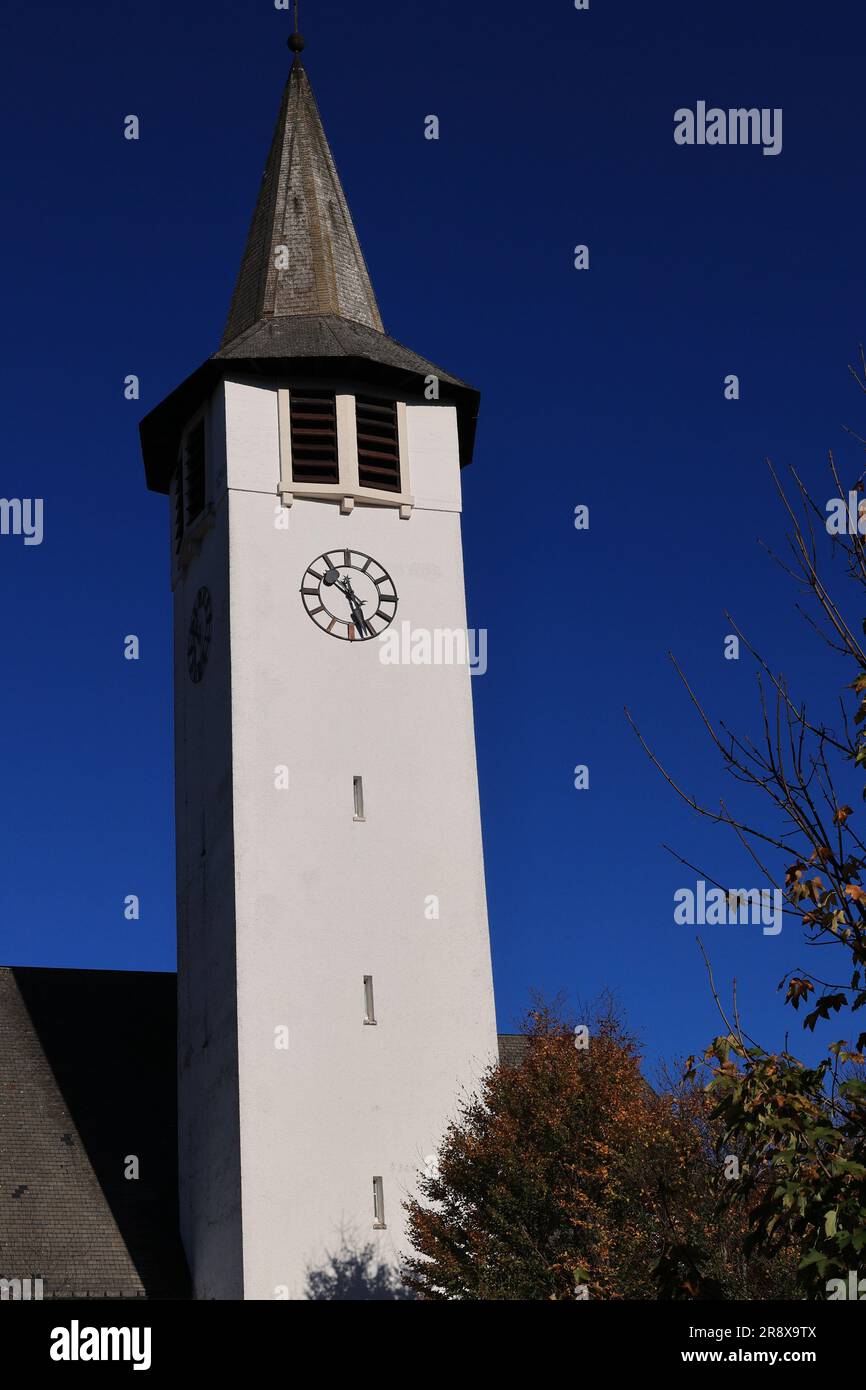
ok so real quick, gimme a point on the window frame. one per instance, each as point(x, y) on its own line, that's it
point(369, 1003)
point(379, 1223)
point(348, 490)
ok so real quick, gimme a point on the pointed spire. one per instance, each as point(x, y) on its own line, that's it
point(302, 254)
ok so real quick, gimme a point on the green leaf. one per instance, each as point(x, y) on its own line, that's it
point(814, 1257)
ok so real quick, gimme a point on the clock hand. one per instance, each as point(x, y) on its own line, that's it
point(357, 616)
point(350, 593)
point(361, 622)
point(355, 606)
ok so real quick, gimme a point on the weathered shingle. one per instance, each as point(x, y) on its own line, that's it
point(302, 254)
point(87, 1079)
point(512, 1048)
point(325, 336)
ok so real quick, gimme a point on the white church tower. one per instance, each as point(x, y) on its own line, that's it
point(334, 992)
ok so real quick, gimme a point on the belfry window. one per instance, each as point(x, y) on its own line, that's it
point(194, 472)
point(314, 436)
point(189, 488)
point(378, 444)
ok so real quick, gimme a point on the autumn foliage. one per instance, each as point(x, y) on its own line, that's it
point(568, 1176)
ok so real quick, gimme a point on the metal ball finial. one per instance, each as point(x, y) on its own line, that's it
point(296, 42)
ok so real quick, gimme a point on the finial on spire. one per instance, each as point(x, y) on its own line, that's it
point(296, 39)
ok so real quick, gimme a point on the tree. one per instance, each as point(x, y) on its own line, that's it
point(799, 1128)
point(568, 1176)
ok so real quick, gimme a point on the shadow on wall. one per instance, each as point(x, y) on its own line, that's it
point(353, 1274)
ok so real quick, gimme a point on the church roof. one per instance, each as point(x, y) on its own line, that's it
point(87, 1080)
point(327, 336)
point(303, 303)
point(302, 254)
point(513, 1049)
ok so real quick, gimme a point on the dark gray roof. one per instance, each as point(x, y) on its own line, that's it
point(512, 1048)
point(87, 1077)
point(302, 207)
point(321, 336)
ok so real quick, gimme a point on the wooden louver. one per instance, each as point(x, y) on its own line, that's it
point(194, 471)
point(314, 437)
point(378, 444)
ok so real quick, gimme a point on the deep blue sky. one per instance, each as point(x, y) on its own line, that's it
point(602, 387)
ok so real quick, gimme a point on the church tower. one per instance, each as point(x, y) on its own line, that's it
point(334, 984)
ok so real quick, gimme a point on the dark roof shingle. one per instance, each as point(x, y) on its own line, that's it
point(301, 209)
point(87, 1079)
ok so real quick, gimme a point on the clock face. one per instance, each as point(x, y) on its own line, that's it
point(349, 595)
point(198, 641)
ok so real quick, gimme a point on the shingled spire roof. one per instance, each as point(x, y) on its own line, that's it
point(302, 254)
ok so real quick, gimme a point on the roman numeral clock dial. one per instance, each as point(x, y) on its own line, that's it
point(198, 641)
point(349, 595)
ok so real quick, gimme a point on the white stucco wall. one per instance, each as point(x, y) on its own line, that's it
point(321, 900)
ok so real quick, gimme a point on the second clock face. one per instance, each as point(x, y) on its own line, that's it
point(198, 641)
point(349, 595)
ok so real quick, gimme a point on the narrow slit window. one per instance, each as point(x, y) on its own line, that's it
point(378, 1205)
point(194, 471)
point(369, 1006)
point(313, 417)
point(378, 444)
point(358, 794)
